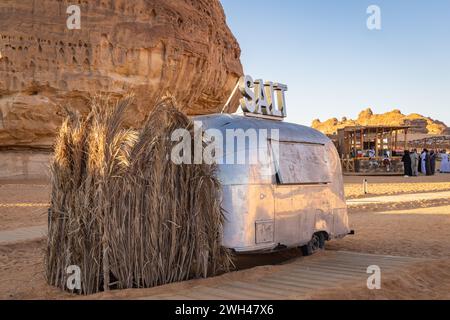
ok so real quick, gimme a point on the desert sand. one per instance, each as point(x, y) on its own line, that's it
point(379, 185)
point(414, 228)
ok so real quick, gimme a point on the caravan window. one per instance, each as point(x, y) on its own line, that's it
point(301, 163)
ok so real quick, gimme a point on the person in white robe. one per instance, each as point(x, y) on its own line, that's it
point(414, 162)
point(423, 162)
point(445, 163)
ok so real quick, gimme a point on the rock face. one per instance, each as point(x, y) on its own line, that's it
point(418, 123)
point(151, 47)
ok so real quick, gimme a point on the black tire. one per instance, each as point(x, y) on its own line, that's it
point(315, 244)
point(321, 240)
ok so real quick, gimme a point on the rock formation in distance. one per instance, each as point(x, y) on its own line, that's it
point(418, 123)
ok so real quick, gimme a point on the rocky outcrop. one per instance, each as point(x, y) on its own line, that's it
point(417, 122)
point(181, 47)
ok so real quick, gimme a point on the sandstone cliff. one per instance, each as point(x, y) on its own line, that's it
point(418, 123)
point(151, 47)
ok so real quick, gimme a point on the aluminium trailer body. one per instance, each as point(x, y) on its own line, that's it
point(293, 200)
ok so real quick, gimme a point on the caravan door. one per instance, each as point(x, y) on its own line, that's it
point(300, 192)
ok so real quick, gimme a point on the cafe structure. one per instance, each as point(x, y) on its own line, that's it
point(371, 150)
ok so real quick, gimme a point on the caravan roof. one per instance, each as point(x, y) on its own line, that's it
point(288, 132)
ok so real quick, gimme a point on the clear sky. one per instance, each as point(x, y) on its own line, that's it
point(335, 66)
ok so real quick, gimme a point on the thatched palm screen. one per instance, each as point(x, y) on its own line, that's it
point(122, 211)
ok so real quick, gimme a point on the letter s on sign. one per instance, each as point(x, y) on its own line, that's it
point(248, 101)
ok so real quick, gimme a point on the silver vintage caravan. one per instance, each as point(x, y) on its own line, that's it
point(294, 200)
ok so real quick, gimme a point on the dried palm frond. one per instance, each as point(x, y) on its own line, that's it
point(122, 211)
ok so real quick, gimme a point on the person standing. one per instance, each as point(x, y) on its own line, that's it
point(423, 161)
point(414, 163)
point(427, 163)
point(432, 162)
point(419, 168)
point(445, 162)
point(406, 159)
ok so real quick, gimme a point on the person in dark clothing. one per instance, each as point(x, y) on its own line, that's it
point(419, 169)
point(432, 162)
point(406, 159)
point(427, 163)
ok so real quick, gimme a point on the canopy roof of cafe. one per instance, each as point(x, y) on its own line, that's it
point(373, 128)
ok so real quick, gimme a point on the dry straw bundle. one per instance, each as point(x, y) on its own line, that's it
point(125, 214)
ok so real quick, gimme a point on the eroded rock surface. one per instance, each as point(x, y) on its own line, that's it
point(182, 47)
point(418, 123)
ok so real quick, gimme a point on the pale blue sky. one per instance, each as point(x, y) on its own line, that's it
point(334, 66)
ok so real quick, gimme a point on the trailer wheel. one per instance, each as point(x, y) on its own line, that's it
point(322, 238)
point(316, 243)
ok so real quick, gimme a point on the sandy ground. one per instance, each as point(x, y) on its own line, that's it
point(395, 185)
point(424, 281)
point(23, 205)
point(22, 272)
point(418, 229)
point(423, 232)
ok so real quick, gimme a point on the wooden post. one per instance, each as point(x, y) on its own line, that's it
point(345, 141)
point(362, 139)
point(390, 141)
point(376, 142)
point(385, 136)
point(406, 137)
point(350, 139)
point(396, 139)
